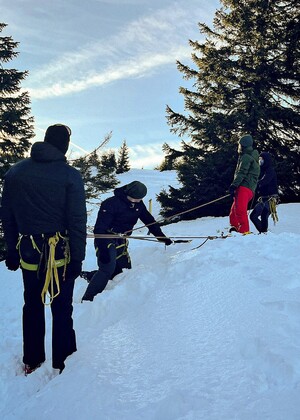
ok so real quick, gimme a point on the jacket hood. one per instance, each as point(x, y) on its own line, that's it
point(46, 152)
point(267, 159)
point(246, 141)
point(120, 193)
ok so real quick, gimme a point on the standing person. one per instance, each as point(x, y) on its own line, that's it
point(44, 223)
point(267, 190)
point(119, 214)
point(243, 185)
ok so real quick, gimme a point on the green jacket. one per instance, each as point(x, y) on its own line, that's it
point(247, 169)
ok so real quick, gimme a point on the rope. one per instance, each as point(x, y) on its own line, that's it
point(179, 214)
point(52, 273)
point(177, 239)
point(199, 246)
point(273, 211)
point(123, 235)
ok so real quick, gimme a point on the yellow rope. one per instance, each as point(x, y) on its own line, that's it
point(52, 273)
point(273, 211)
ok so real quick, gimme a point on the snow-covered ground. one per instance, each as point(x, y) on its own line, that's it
point(208, 333)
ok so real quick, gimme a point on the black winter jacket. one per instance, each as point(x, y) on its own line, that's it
point(267, 183)
point(43, 194)
point(118, 215)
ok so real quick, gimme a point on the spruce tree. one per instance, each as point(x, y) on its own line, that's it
point(123, 159)
point(244, 79)
point(16, 124)
point(98, 173)
point(171, 158)
point(107, 171)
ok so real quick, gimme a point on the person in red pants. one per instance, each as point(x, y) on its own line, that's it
point(243, 186)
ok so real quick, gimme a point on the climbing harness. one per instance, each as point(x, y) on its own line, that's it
point(273, 200)
point(47, 264)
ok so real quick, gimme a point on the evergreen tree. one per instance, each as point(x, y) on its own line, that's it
point(88, 169)
point(245, 80)
point(98, 172)
point(107, 170)
point(171, 158)
point(123, 159)
point(16, 124)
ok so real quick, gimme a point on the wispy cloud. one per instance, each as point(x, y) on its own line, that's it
point(131, 68)
point(137, 49)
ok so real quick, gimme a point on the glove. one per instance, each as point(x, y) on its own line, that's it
point(12, 260)
point(232, 190)
point(73, 269)
point(167, 241)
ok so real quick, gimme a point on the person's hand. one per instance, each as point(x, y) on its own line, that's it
point(73, 269)
point(12, 260)
point(232, 190)
point(166, 241)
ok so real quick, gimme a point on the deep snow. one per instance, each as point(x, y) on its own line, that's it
point(209, 333)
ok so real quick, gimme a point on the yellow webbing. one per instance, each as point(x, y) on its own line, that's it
point(52, 273)
point(125, 251)
point(34, 267)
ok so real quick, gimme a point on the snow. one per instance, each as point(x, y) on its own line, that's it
point(188, 334)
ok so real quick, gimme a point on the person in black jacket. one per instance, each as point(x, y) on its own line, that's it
point(266, 189)
point(44, 224)
point(119, 214)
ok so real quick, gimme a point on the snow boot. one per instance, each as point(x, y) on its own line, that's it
point(29, 369)
point(232, 229)
point(87, 275)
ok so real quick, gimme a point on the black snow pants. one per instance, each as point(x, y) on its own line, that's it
point(63, 334)
point(118, 259)
point(260, 215)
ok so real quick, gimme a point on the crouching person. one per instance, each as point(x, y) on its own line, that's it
point(119, 214)
point(44, 224)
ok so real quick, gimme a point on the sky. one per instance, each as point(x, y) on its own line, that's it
point(189, 333)
point(104, 66)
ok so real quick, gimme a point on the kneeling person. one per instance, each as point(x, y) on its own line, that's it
point(119, 214)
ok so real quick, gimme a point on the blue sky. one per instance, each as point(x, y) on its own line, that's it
point(106, 65)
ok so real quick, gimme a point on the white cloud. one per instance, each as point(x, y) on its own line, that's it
point(148, 156)
point(132, 68)
point(139, 47)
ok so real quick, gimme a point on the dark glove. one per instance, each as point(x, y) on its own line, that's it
point(73, 269)
point(12, 260)
point(167, 241)
point(232, 190)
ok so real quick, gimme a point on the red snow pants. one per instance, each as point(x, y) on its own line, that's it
point(238, 216)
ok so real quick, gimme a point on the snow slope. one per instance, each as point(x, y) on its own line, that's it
point(208, 333)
